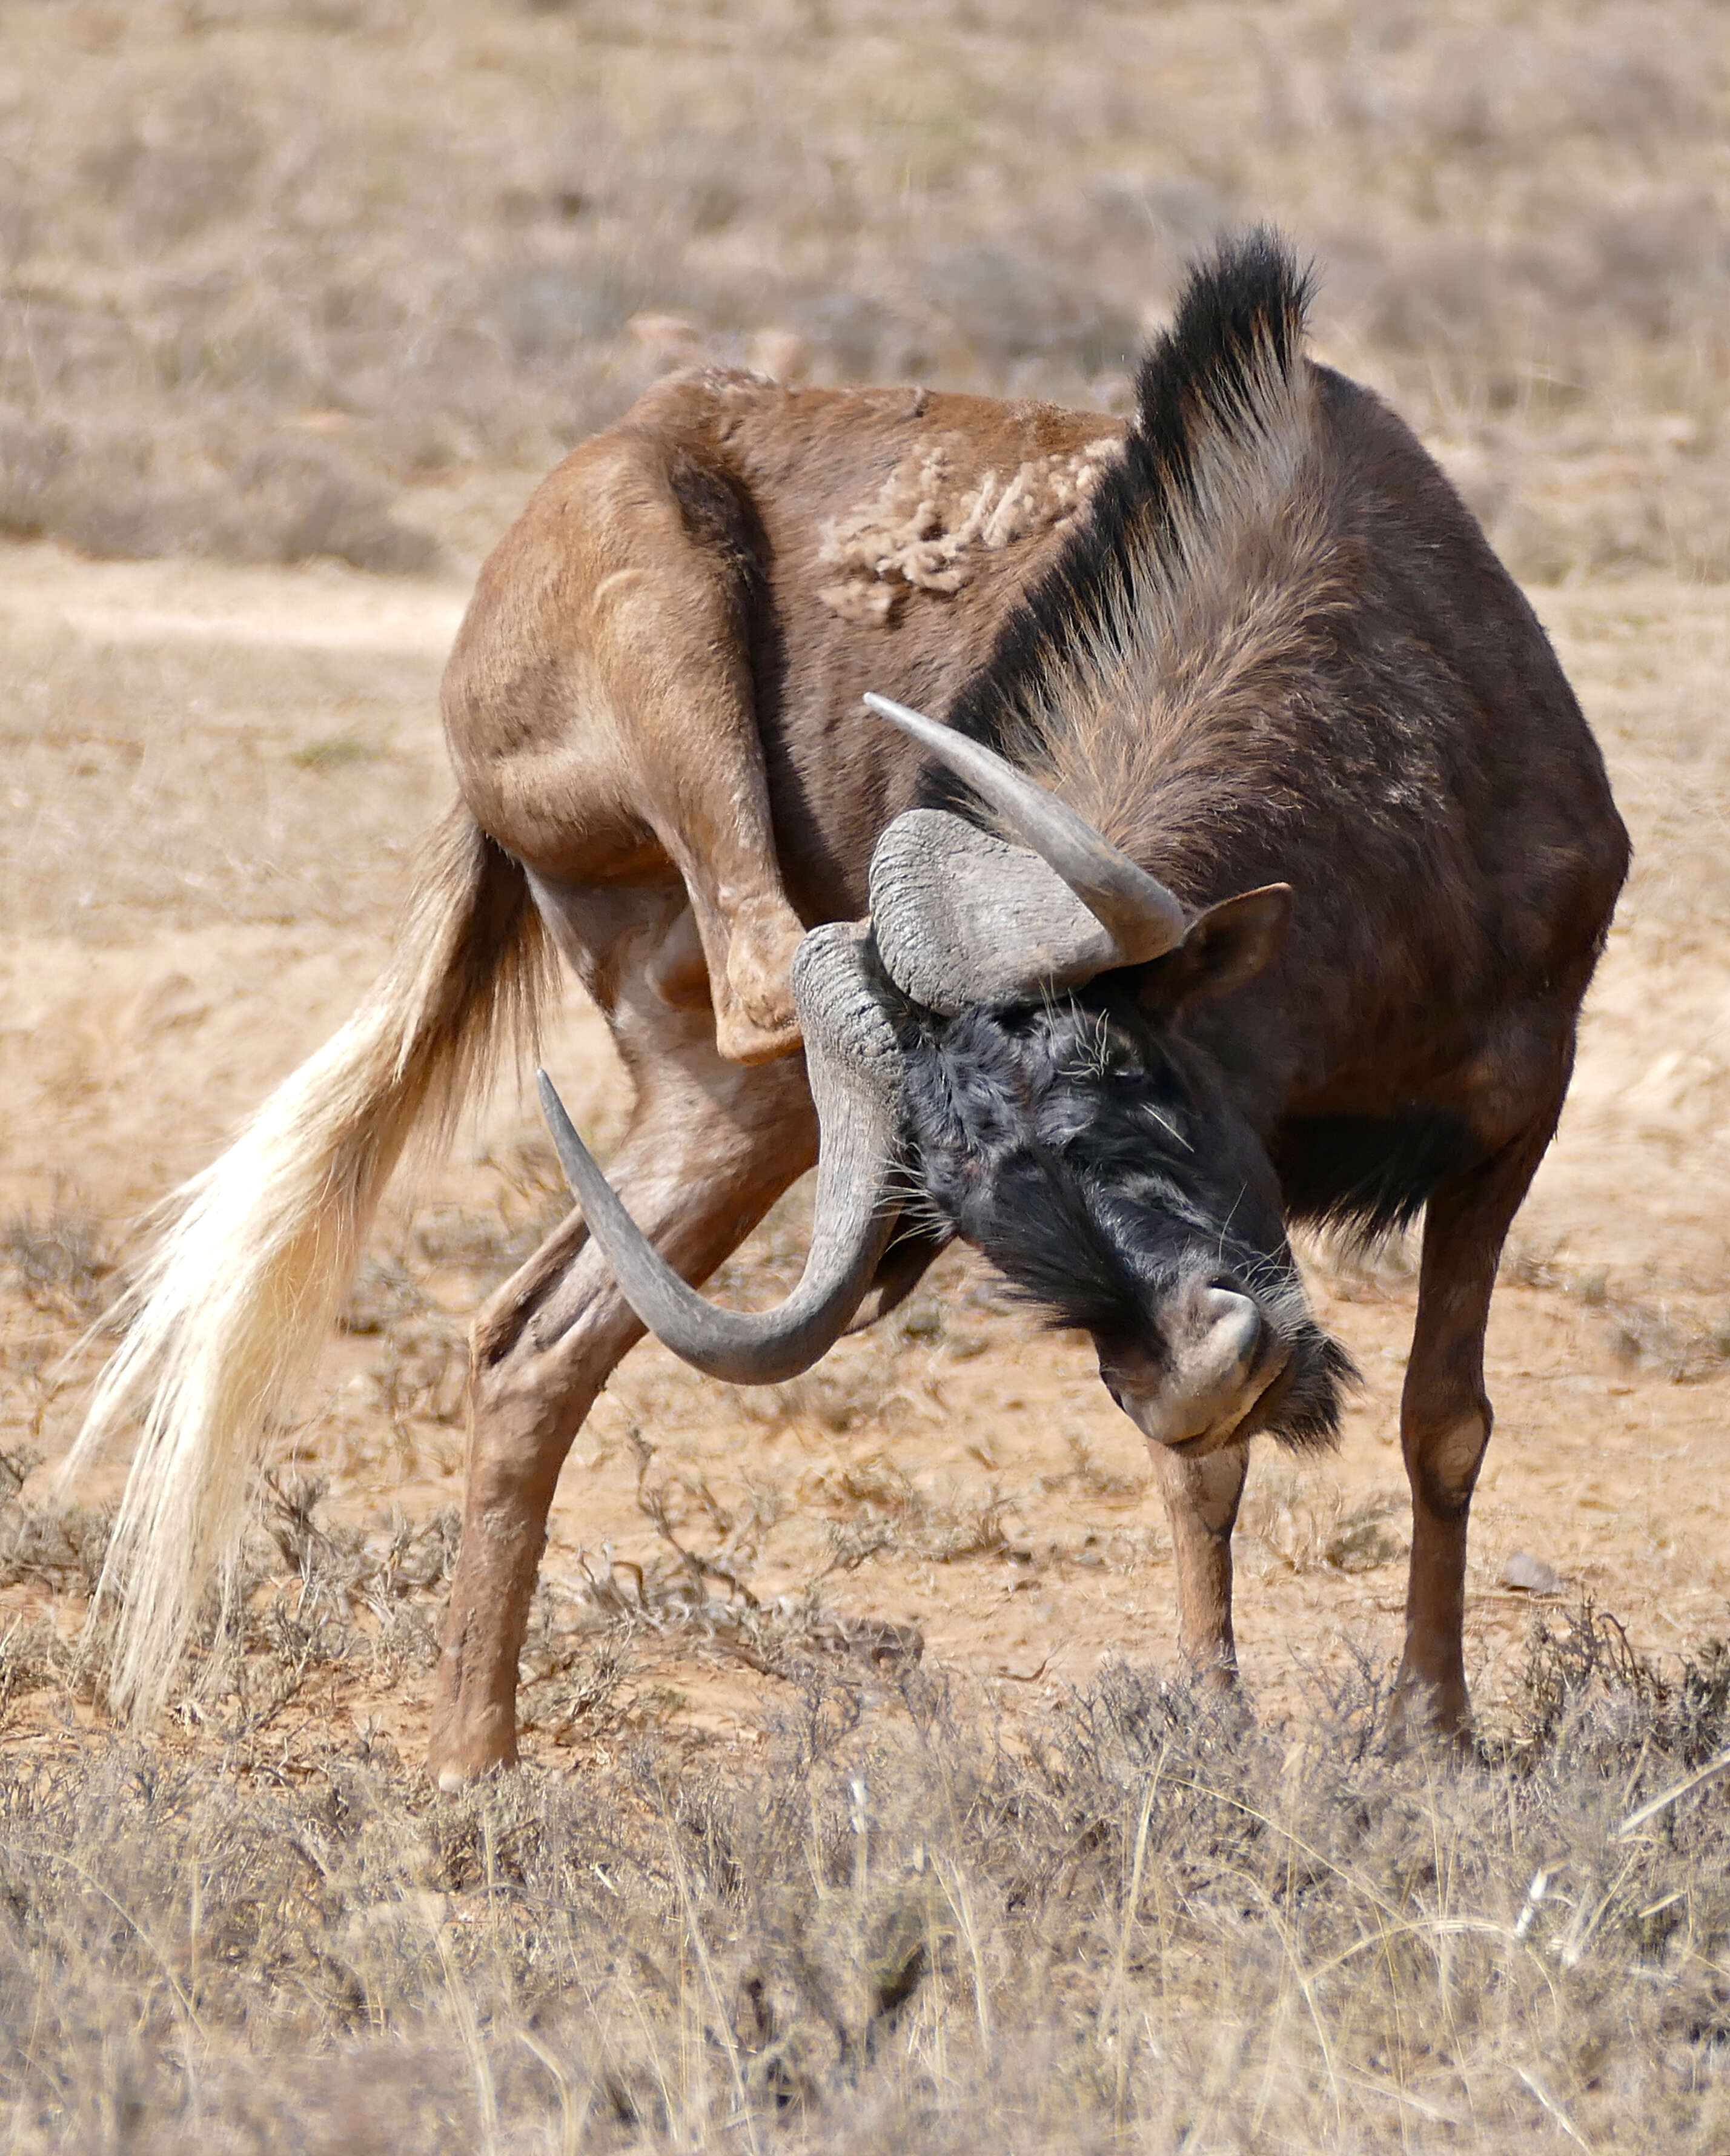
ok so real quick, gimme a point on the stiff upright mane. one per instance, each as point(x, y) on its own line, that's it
point(1185, 607)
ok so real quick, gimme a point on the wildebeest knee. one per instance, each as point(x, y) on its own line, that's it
point(1444, 1457)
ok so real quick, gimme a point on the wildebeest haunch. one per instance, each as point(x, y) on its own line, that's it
point(1251, 869)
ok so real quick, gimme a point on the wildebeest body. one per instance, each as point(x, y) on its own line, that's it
point(1254, 640)
point(1274, 648)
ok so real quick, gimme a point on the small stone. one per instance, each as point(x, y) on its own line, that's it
point(1531, 1575)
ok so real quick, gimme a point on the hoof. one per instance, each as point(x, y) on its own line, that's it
point(1221, 1696)
point(1422, 1717)
point(740, 1039)
point(453, 1765)
point(451, 1777)
point(754, 1018)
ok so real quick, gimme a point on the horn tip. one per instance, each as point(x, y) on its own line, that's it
point(898, 715)
point(557, 1115)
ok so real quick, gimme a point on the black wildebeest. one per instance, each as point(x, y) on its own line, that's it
point(1256, 876)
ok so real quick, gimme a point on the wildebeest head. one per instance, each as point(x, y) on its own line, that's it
point(1006, 1031)
point(1093, 1155)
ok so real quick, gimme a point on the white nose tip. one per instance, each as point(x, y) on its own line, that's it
point(1230, 1325)
point(1221, 1357)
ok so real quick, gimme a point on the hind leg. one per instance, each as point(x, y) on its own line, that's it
point(710, 1147)
point(601, 710)
point(688, 726)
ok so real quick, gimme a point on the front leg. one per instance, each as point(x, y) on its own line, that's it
point(1445, 1422)
point(1201, 1502)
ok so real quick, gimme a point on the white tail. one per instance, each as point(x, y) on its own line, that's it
point(230, 1310)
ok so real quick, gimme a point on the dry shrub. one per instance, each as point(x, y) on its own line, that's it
point(578, 1654)
point(1130, 1921)
point(1088, 1475)
point(420, 1374)
point(877, 1509)
point(297, 497)
point(289, 497)
point(318, 1612)
point(57, 1549)
point(695, 1595)
point(1686, 1337)
point(306, 1599)
point(1302, 1521)
point(62, 1262)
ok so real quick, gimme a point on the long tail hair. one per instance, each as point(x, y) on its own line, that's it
point(227, 1317)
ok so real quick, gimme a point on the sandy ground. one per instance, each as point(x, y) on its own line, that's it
point(210, 788)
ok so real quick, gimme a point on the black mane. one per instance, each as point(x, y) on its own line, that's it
point(1246, 301)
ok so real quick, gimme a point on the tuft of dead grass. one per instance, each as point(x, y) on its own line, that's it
point(62, 1262)
point(875, 1507)
point(1685, 1336)
point(1304, 1523)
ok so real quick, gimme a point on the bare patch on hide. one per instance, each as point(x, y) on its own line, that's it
point(927, 524)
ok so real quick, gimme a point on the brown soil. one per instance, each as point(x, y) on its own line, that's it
point(211, 783)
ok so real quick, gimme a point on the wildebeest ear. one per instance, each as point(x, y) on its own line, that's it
point(1225, 947)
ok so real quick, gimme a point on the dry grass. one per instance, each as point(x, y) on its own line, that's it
point(60, 1263)
point(1684, 1336)
point(896, 1909)
point(109, 778)
point(896, 1919)
point(262, 268)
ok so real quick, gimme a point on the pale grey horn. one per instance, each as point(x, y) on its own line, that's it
point(1144, 919)
point(853, 1066)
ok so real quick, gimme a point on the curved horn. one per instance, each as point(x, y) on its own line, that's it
point(855, 1070)
point(963, 921)
point(1143, 917)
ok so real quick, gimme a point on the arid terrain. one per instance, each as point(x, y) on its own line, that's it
point(860, 1807)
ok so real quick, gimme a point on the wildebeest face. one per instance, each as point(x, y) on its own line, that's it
point(1095, 1155)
